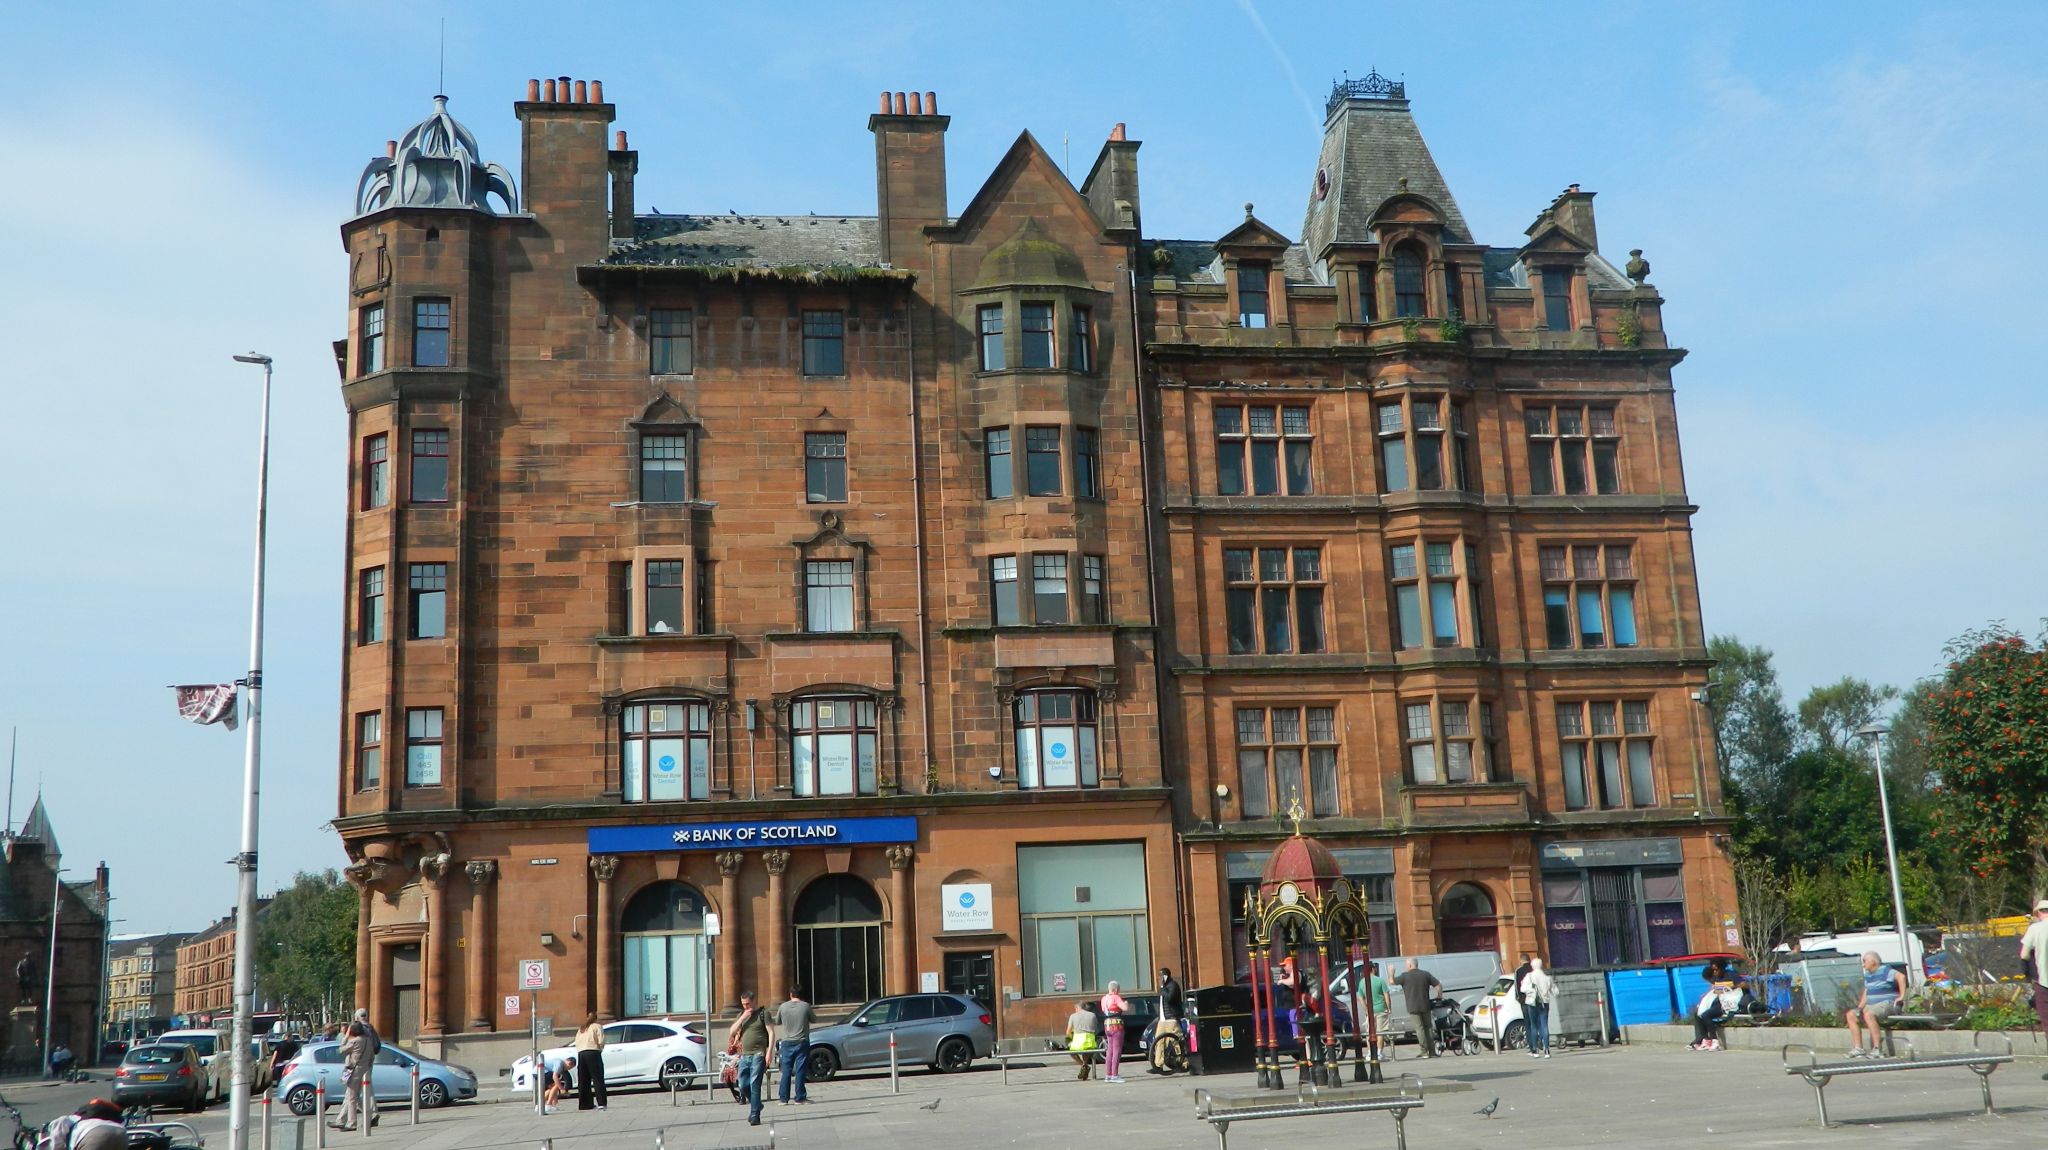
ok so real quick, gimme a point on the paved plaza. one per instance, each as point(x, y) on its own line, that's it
point(1659, 1096)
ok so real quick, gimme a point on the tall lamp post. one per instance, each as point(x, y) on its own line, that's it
point(1876, 732)
point(245, 861)
point(57, 873)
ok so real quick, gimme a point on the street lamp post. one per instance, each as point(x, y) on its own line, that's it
point(245, 861)
point(50, 979)
point(1876, 732)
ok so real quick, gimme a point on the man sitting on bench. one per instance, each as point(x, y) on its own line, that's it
point(1883, 988)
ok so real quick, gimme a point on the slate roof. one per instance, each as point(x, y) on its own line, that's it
point(1196, 261)
point(750, 241)
point(36, 828)
point(1369, 147)
point(1504, 268)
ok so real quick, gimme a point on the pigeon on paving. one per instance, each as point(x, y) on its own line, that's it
point(1487, 1110)
point(932, 1105)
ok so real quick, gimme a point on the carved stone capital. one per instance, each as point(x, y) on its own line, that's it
point(481, 872)
point(434, 868)
point(899, 856)
point(729, 862)
point(777, 860)
point(604, 866)
point(613, 705)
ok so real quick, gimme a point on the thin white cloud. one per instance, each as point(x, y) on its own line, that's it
point(1308, 105)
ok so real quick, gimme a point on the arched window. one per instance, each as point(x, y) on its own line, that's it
point(838, 923)
point(1465, 919)
point(833, 747)
point(1410, 297)
point(1056, 739)
point(666, 964)
point(665, 752)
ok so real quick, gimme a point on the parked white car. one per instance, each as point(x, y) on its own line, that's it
point(1499, 1009)
point(215, 1058)
point(637, 1052)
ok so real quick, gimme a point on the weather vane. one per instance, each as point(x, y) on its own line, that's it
point(1295, 813)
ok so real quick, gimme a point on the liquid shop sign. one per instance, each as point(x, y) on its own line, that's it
point(766, 833)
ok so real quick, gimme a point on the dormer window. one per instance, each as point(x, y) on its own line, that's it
point(1252, 304)
point(1410, 297)
point(1557, 298)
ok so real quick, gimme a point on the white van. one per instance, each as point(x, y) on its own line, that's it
point(1466, 976)
point(1911, 957)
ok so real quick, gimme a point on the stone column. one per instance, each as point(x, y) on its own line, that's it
point(778, 928)
point(359, 877)
point(730, 938)
point(605, 867)
point(482, 941)
point(903, 924)
point(434, 891)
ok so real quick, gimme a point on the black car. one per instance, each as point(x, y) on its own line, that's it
point(160, 1074)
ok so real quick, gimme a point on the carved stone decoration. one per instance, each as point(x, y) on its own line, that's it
point(482, 872)
point(1638, 268)
point(434, 868)
point(604, 866)
point(436, 165)
point(777, 860)
point(729, 861)
point(1162, 260)
point(899, 856)
point(1106, 694)
point(378, 874)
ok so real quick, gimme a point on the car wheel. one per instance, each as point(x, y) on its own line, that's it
point(1516, 1036)
point(823, 1065)
point(433, 1095)
point(300, 1099)
point(676, 1070)
point(955, 1055)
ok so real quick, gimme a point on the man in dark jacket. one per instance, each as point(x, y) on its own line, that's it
point(1172, 1009)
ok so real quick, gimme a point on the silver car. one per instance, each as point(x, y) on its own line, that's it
point(319, 1064)
point(943, 1031)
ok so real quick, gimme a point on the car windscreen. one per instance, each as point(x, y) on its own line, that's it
point(154, 1056)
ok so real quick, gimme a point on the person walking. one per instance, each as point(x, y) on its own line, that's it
point(1172, 1007)
point(750, 1037)
point(355, 1064)
point(371, 1038)
point(2034, 957)
point(793, 1053)
point(1538, 991)
point(1084, 1038)
point(1381, 1003)
point(590, 1065)
point(1418, 989)
point(1113, 1009)
point(1883, 987)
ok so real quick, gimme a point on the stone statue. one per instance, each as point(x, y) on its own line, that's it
point(1638, 268)
point(25, 977)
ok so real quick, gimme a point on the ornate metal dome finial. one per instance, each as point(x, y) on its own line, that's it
point(1372, 87)
point(436, 165)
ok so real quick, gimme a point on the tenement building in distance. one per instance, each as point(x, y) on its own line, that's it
point(969, 598)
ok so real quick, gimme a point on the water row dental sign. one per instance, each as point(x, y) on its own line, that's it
point(765, 833)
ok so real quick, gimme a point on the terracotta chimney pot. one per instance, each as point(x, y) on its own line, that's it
point(533, 91)
point(597, 91)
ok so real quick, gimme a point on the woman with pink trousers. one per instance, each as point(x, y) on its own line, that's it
point(1113, 1008)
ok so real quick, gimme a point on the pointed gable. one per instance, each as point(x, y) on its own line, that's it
point(36, 828)
point(1548, 237)
point(1026, 161)
point(1372, 152)
point(1253, 235)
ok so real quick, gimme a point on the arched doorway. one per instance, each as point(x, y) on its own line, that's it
point(665, 959)
point(838, 922)
point(1465, 919)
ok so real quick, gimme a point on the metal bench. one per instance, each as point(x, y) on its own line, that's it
point(1980, 1062)
point(1309, 1101)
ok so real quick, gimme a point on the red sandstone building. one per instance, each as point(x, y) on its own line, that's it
point(799, 570)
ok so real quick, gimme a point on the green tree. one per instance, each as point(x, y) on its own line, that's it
point(1987, 742)
point(306, 946)
point(1753, 732)
point(1831, 715)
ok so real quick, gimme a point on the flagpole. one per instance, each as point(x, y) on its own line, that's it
point(245, 862)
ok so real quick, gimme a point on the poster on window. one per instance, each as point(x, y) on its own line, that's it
point(1061, 758)
point(835, 764)
point(665, 776)
point(1027, 758)
point(967, 906)
point(700, 768)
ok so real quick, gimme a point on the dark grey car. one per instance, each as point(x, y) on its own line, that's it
point(943, 1031)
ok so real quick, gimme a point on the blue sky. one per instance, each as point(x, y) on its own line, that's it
point(1842, 203)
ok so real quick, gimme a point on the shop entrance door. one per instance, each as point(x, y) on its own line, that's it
point(972, 973)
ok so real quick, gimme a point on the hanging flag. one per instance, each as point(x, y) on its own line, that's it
point(209, 703)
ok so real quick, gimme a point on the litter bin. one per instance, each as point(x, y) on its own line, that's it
point(1778, 993)
point(1640, 996)
point(1831, 983)
point(1580, 1012)
point(1219, 1021)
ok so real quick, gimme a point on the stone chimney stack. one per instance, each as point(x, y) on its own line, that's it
point(564, 163)
point(625, 164)
point(1574, 213)
point(910, 170)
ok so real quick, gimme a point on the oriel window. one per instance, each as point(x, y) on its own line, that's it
point(1042, 460)
point(988, 321)
point(1038, 335)
point(1081, 348)
point(430, 319)
point(429, 466)
point(996, 452)
point(664, 468)
point(370, 340)
point(664, 596)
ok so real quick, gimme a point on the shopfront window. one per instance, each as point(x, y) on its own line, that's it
point(1085, 922)
point(1603, 916)
point(833, 746)
point(667, 969)
point(838, 923)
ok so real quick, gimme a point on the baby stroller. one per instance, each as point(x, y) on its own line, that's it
point(1453, 1029)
